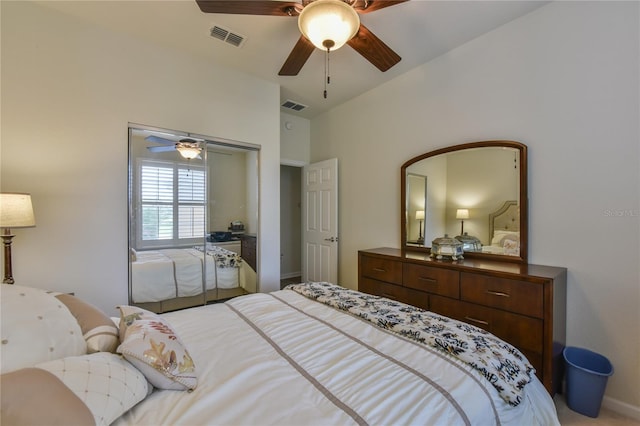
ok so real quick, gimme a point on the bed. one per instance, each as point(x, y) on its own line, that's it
point(170, 279)
point(504, 230)
point(311, 354)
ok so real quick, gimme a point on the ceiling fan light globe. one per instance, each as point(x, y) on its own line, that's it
point(187, 150)
point(328, 24)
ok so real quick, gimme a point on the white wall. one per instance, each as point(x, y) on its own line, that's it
point(563, 80)
point(68, 91)
point(295, 139)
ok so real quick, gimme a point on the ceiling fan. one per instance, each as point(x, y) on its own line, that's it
point(358, 36)
point(188, 148)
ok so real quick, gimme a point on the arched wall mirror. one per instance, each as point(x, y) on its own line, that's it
point(474, 192)
point(193, 217)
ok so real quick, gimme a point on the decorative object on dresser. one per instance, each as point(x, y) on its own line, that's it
point(521, 303)
point(16, 211)
point(446, 248)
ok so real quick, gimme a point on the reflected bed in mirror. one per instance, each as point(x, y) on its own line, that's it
point(475, 192)
point(193, 214)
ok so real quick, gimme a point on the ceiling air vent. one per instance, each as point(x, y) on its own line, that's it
point(227, 36)
point(289, 104)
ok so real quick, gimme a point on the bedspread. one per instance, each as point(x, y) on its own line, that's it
point(224, 258)
point(499, 362)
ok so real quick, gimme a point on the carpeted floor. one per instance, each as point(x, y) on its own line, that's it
point(568, 417)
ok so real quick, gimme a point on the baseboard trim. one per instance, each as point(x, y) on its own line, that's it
point(620, 407)
point(290, 275)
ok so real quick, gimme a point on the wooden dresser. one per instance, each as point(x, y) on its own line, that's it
point(523, 304)
point(248, 250)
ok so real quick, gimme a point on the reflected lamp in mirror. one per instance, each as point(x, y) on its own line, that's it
point(16, 211)
point(420, 219)
point(462, 214)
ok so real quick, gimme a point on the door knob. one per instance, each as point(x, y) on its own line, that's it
point(332, 239)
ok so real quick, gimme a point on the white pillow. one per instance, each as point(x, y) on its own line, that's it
point(99, 331)
point(499, 237)
point(36, 327)
point(106, 383)
point(153, 347)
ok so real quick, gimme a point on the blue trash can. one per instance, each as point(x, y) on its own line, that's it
point(587, 374)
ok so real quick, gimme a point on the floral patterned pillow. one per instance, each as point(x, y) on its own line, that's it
point(154, 348)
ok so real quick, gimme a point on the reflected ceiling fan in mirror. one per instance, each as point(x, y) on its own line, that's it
point(187, 147)
point(325, 24)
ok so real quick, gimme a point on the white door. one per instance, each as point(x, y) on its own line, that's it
point(320, 221)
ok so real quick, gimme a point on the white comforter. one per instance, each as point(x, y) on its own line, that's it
point(283, 359)
point(164, 274)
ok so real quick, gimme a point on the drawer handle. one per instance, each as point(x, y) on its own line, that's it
point(498, 293)
point(379, 270)
point(476, 320)
point(429, 280)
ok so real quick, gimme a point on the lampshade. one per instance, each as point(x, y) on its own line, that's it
point(188, 148)
point(462, 214)
point(328, 24)
point(16, 211)
point(419, 214)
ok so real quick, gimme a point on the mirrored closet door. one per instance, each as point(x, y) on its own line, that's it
point(193, 215)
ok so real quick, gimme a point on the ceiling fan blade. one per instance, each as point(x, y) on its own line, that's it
point(366, 6)
point(161, 148)
point(298, 56)
point(157, 139)
point(251, 7)
point(373, 49)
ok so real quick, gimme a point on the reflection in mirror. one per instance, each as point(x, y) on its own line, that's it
point(193, 203)
point(416, 206)
point(474, 192)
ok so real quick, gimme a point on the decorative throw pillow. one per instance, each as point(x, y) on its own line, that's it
point(88, 389)
point(98, 329)
point(130, 314)
point(154, 348)
point(35, 327)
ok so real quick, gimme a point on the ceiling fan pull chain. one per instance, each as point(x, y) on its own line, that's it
point(326, 73)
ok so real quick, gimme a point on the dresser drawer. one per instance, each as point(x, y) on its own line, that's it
point(433, 280)
point(381, 269)
point(521, 297)
point(394, 292)
point(523, 332)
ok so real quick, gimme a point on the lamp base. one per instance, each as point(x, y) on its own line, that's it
point(6, 240)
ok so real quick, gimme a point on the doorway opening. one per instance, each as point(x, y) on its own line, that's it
point(290, 225)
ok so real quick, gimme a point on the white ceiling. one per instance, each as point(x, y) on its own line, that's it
point(418, 30)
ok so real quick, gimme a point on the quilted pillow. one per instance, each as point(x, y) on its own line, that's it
point(89, 389)
point(36, 327)
point(98, 329)
point(154, 348)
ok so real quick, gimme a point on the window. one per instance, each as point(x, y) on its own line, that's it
point(172, 199)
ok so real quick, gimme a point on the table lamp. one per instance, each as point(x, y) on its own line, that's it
point(16, 211)
point(462, 214)
point(420, 218)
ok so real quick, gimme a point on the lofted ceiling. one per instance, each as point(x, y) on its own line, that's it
point(418, 30)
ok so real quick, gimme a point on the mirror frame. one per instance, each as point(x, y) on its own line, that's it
point(524, 205)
